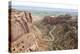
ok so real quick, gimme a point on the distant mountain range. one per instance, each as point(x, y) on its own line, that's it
point(44, 8)
point(46, 11)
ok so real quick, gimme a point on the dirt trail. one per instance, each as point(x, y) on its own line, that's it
point(50, 33)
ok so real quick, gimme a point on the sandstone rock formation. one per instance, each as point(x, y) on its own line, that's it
point(56, 20)
point(48, 33)
point(19, 23)
point(23, 36)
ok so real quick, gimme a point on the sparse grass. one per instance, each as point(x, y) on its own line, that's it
point(64, 34)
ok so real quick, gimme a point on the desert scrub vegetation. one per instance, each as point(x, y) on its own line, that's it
point(64, 34)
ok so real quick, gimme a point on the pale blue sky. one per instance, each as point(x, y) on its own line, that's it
point(43, 5)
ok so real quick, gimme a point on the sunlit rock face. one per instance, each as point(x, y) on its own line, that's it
point(20, 21)
point(24, 36)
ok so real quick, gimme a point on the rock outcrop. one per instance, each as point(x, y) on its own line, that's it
point(20, 23)
point(56, 20)
point(23, 36)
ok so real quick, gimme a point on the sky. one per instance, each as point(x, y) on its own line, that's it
point(50, 5)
